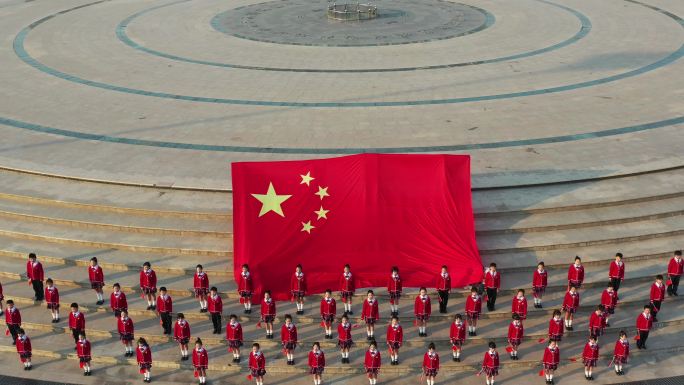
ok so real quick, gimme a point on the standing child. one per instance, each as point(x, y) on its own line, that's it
point(515, 335)
point(372, 363)
point(457, 336)
point(492, 283)
point(609, 299)
point(83, 352)
point(328, 312)
point(490, 364)
point(234, 337)
point(443, 289)
point(117, 301)
point(200, 361)
point(473, 308)
point(200, 283)
point(13, 320)
point(597, 322)
point(52, 299)
point(24, 349)
point(143, 355)
point(551, 360)
point(590, 357)
point(644, 323)
point(347, 288)
point(96, 277)
point(430, 364)
point(394, 288)
point(245, 288)
point(616, 272)
point(556, 328)
point(215, 309)
point(539, 283)
point(76, 322)
point(519, 305)
point(126, 333)
point(395, 338)
point(316, 363)
point(288, 338)
point(257, 364)
point(164, 308)
point(148, 284)
point(181, 334)
point(621, 353)
point(576, 274)
point(422, 308)
point(35, 276)
point(370, 313)
point(344, 338)
point(298, 288)
point(675, 268)
point(657, 296)
point(268, 313)
point(570, 306)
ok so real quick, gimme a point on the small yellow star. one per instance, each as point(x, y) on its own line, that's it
point(271, 201)
point(322, 213)
point(307, 227)
point(306, 179)
point(322, 192)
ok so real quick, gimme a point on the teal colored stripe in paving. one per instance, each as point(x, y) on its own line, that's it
point(123, 37)
point(283, 150)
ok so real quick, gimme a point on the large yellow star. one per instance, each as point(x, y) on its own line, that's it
point(306, 179)
point(307, 227)
point(322, 192)
point(271, 201)
point(322, 213)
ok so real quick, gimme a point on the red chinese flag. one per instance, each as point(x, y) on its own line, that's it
point(372, 211)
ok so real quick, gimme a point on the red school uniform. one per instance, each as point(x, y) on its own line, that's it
point(617, 271)
point(571, 302)
point(257, 364)
point(551, 358)
point(316, 362)
point(126, 329)
point(394, 287)
point(344, 335)
point(372, 361)
point(430, 364)
point(457, 333)
point(215, 304)
point(2, 296)
point(675, 267)
point(490, 364)
point(422, 307)
point(34, 271)
point(576, 275)
point(200, 358)
point(597, 323)
point(83, 351)
point(328, 310)
point(24, 348)
point(181, 331)
point(590, 354)
point(473, 306)
point(13, 316)
point(245, 287)
point(609, 300)
point(370, 311)
point(519, 307)
point(117, 301)
point(288, 336)
point(268, 310)
point(347, 285)
point(492, 280)
point(96, 276)
point(148, 281)
point(144, 357)
point(657, 292)
point(515, 333)
point(443, 282)
point(644, 323)
point(621, 351)
point(556, 329)
point(200, 283)
point(298, 285)
point(164, 304)
point(76, 321)
point(395, 336)
point(234, 335)
point(52, 297)
point(540, 280)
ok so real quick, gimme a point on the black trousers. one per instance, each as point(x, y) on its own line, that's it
point(166, 321)
point(75, 333)
point(216, 320)
point(616, 283)
point(443, 300)
point(491, 298)
point(672, 289)
point(655, 307)
point(14, 330)
point(38, 290)
point(643, 336)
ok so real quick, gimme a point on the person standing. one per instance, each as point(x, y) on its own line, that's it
point(590, 356)
point(430, 364)
point(490, 364)
point(395, 338)
point(570, 305)
point(347, 288)
point(516, 331)
point(492, 283)
point(344, 338)
point(644, 324)
point(83, 353)
point(298, 288)
point(76, 322)
point(164, 308)
point(394, 289)
point(52, 299)
point(96, 278)
point(143, 355)
point(117, 300)
point(551, 360)
point(148, 284)
point(268, 313)
point(556, 328)
point(675, 268)
point(443, 289)
point(215, 305)
point(234, 337)
point(288, 338)
point(35, 276)
point(316, 363)
point(181, 334)
point(657, 296)
point(519, 305)
point(576, 274)
point(473, 308)
point(457, 336)
point(13, 320)
point(24, 349)
point(422, 309)
point(621, 353)
point(245, 288)
point(328, 310)
point(616, 273)
point(597, 322)
point(609, 300)
point(257, 364)
point(539, 283)
point(200, 284)
point(200, 361)
point(126, 333)
point(370, 314)
point(372, 363)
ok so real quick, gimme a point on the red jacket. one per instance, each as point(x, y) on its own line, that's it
point(457, 332)
point(643, 323)
point(609, 299)
point(370, 311)
point(576, 274)
point(431, 361)
point(298, 283)
point(83, 349)
point(590, 352)
point(125, 327)
point(51, 295)
point(257, 361)
point(571, 301)
point(540, 279)
point(200, 358)
point(422, 306)
point(200, 281)
point(344, 333)
point(473, 305)
point(76, 322)
point(491, 360)
point(556, 328)
point(34, 272)
point(215, 304)
point(268, 308)
point(657, 292)
point(551, 357)
point(95, 274)
point(372, 360)
point(317, 360)
point(443, 283)
point(395, 334)
point(674, 267)
point(181, 331)
point(164, 305)
point(492, 280)
point(24, 345)
point(515, 332)
point(519, 307)
point(234, 332)
point(148, 280)
point(394, 284)
point(13, 317)
point(347, 282)
point(118, 302)
point(617, 271)
point(288, 334)
point(143, 356)
point(621, 348)
point(596, 321)
point(328, 307)
point(245, 283)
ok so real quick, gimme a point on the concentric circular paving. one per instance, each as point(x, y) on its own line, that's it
point(304, 22)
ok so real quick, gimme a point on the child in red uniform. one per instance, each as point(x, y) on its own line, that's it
point(616, 272)
point(234, 337)
point(328, 312)
point(257, 364)
point(164, 308)
point(570, 306)
point(490, 364)
point(519, 304)
point(245, 288)
point(288, 338)
point(394, 288)
point(13, 320)
point(76, 322)
point(215, 309)
point(556, 328)
point(422, 308)
point(298, 288)
point(576, 274)
point(590, 356)
point(344, 338)
point(200, 361)
point(597, 322)
point(268, 313)
point(316, 363)
point(181, 334)
point(473, 308)
point(609, 300)
point(430, 364)
point(52, 299)
point(83, 353)
point(143, 354)
point(24, 349)
point(443, 287)
point(657, 296)
point(492, 283)
point(539, 283)
point(395, 338)
point(96, 278)
point(347, 288)
point(457, 337)
point(675, 268)
point(126, 333)
point(644, 323)
point(370, 313)
point(621, 353)
point(117, 300)
point(372, 363)
point(551, 360)
point(35, 275)
point(148, 284)
point(200, 283)
point(515, 335)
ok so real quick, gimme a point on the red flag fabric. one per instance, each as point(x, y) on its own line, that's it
point(249, 377)
point(372, 211)
point(509, 349)
point(541, 373)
